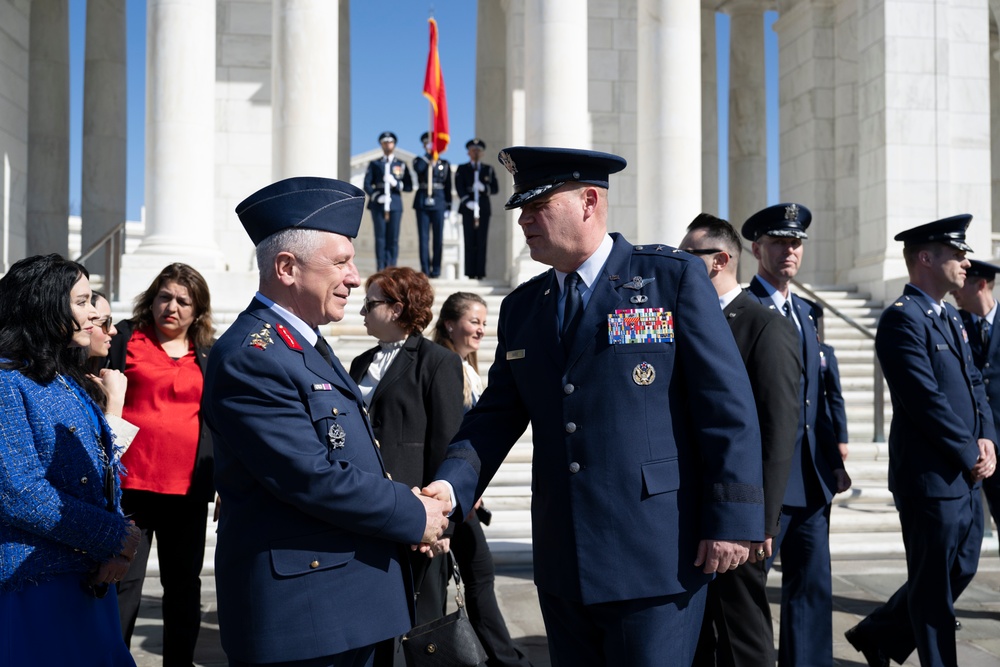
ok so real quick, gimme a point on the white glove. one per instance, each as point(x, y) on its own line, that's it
point(479, 187)
point(391, 180)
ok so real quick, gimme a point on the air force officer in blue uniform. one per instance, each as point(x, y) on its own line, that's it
point(310, 563)
point(941, 445)
point(431, 202)
point(385, 179)
point(646, 472)
point(817, 471)
point(979, 315)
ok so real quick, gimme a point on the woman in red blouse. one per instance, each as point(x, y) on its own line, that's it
point(168, 484)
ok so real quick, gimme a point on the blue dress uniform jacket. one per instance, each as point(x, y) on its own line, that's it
point(374, 185)
point(987, 360)
point(441, 185)
point(939, 406)
point(627, 478)
point(465, 179)
point(311, 532)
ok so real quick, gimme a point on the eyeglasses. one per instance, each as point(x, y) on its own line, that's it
point(368, 304)
point(703, 251)
point(105, 324)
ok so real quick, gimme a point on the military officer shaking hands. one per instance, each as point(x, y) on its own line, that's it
point(646, 472)
point(310, 522)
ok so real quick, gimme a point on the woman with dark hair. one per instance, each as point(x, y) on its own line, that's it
point(114, 382)
point(162, 351)
point(461, 327)
point(63, 538)
point(413, 390)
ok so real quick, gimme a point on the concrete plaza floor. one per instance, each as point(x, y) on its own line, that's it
point(858, 586)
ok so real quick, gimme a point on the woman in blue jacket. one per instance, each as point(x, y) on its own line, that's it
point(63, 539)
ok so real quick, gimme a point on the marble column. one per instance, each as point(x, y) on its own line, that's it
point(669, 115)
point(103, 174)
point(344, 92)
point(180, 138)
point(555, 76)
point(747, 114)
point(48, 128)
point(305, 57)
point(709, 112)
point(995, 115)
point(492, 108)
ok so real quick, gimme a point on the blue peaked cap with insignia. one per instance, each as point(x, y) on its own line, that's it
point(787, 220)
point(536, 169)
point(307, 202)
point(949, 231)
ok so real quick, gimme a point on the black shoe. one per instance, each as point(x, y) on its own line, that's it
point(873, 654)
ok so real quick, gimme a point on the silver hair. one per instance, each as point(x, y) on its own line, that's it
point(302, 243)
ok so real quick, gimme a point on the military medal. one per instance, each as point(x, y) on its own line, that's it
point(644, 374)
point(638, 282)
point(336, 436)
point(639, 298)
point(640, 325)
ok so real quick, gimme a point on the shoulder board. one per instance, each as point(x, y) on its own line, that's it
point(529, 281)
point(264, 338)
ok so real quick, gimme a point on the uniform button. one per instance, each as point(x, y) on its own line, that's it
point(807, 402)
point(388, 475)
point(335, 412)
point(83, 480)
point(378, 444)
point(72, 429)
point(986, 381)
point(807, 427)
point(574, 467)
point(570, 427)
point(569, 389)
point(314, 564)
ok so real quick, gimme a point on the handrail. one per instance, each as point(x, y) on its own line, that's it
point(113, 243)
point(878, 393)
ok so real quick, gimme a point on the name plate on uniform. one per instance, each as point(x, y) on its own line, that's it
point(640, 325)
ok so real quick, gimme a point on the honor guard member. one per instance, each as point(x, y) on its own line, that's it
point(646, 472)
point(310, 522)
point(431, 202)
point(941, 446)
point(737, 628)
point(385, 179)
point(817, 472)
point(475, 182)
point(978, 310)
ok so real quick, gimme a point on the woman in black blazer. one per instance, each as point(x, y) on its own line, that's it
point(413, 389)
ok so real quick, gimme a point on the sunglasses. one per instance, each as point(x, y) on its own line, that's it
point(368, 304)
point(105, 324)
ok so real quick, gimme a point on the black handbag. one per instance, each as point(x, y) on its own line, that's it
point(448, 641)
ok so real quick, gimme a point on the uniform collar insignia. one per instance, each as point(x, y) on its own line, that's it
point(286, 336)
point(262, 338)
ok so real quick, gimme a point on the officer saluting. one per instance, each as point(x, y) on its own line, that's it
point(385, 179)
point(646, 473)
point(475, 182)
point(941, 445)
point(430, 202)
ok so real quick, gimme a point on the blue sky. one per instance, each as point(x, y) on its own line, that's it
point(389, 43)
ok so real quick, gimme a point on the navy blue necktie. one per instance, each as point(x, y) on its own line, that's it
point(324, 349)
point(573, 306)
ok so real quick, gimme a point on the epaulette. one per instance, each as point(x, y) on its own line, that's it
point(529, 281)
point(656, 249)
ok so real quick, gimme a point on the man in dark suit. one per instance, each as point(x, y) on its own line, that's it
point(312, 530)
point(431, 201)
point(817, 471)
point(978, 311)
point(646, 472)
point(474, 183)
point(385, 179)
point(941, 445)
point(737, 628)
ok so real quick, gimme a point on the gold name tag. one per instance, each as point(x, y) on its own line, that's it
point(515, 354)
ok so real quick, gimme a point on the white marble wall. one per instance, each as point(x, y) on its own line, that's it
point(13, 128)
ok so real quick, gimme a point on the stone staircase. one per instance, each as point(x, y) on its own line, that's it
point(864, 524)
